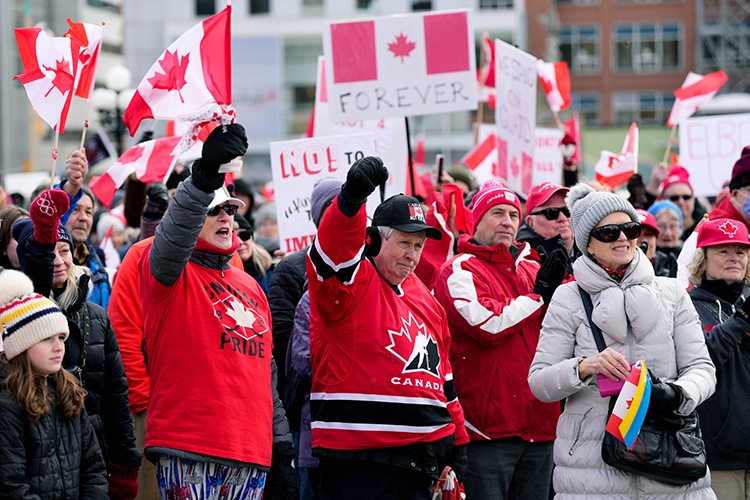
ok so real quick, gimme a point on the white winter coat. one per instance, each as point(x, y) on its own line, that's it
point(642, 316)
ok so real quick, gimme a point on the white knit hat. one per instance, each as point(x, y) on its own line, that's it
point(588, 207)
point(27, 317)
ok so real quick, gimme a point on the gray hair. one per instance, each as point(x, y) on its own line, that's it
point(387, 231)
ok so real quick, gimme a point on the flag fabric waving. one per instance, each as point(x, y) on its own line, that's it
point(615, 169)
point(48, 74)
point(86, 42)
point(195, 71)
point(151, 161)
point(555, 79)
point(486, 74)
point(631, 406)
point(695, 91)
point(482, 160)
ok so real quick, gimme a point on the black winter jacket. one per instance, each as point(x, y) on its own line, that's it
point(723, 416)
point(52, 459)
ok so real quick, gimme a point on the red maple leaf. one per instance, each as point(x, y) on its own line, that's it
point(514, 166)
point(174, 73)
point(402, 47)
point(132, 155)
point(63, 80)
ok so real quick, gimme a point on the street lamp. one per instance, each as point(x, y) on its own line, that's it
point(112, 101)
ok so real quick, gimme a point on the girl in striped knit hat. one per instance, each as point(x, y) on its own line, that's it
point(47, 445)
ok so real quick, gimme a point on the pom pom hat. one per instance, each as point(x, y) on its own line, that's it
point(493, 193)
point(588, 207)
point(27, 317)
point(677, 174)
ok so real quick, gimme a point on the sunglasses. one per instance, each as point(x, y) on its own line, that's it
point(553, 213)
point(610, 232)
point(244, 235)
point(676, 197)
point(229, 209)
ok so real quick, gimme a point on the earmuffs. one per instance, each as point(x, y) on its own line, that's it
point(373, 241)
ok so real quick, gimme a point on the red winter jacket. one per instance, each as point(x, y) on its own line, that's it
point(495, 319)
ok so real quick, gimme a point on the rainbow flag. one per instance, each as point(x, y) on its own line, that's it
point(631, 406)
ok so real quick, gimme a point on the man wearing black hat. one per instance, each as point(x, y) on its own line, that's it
point(385, 416)
point(737, 205)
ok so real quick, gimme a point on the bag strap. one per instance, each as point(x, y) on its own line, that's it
point(588, 306)
point(86, 333)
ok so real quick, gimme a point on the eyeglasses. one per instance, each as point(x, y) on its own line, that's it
point(610, 232)
point(229, 209)
point(676, 197)
point(553, 213)
point(244, 235)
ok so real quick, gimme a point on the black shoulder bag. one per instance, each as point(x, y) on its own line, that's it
point(78, 370)
point(669, 448)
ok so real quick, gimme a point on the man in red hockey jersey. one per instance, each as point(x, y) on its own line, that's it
point(385, 416)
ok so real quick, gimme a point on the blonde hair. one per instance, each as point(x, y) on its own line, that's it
point(69, 295)
point(261, 258)
point(699, 263)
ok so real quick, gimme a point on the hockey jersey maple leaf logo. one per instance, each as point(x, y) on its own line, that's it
point(402, 47)
point(729, 229)
point(247, 324)
point(63, 80)
point(174, 73)
point(415, 347)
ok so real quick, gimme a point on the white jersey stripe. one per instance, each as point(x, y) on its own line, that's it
point(331, 264)
point(375, 398)
point(345, 426)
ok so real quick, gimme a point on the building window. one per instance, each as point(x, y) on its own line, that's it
point(495, 4)
point(420, 5)
point(644, 108)
point(104, 5)
point(363, 4)
point(577, 2)
point(312, 7)
point(647, 48)
point(579, 46)
point(259, 7)
point(589, 107)
point(205, 8)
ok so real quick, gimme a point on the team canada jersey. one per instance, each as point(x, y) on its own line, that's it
point(379, 355)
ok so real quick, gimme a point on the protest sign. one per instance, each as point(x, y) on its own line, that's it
point(709, 147)
point(548, 158)
point(389, 135)
point(401, 65)
point(515, 115)
point(297, 165)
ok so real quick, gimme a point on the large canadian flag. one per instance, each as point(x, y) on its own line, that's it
point(555, 79)
point(86, 42)
point(48, 74)
point(615, 169)
point(695, 91)
point(482, 160)
point(193, 72)
point(151, 161)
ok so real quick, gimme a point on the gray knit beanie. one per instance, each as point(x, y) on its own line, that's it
point(588, 207)
point(323, 191)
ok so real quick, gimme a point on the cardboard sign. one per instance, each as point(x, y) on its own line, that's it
point(401, 65)
point(709, 147)
point(297, 165)
point(515, 116)
point(548, 160)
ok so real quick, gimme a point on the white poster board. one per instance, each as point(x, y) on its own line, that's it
point(297, 165)
point(709, 147)
point(548, 159)
point(400, 65)
point(515, 116)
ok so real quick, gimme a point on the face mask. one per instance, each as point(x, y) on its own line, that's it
point(746, 207)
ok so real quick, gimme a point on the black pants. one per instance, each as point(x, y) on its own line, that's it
point(360, 480)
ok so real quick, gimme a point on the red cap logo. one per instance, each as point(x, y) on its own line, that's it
point(729, 229)
point(416, 212)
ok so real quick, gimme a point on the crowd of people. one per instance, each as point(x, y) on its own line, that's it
point(164, 347)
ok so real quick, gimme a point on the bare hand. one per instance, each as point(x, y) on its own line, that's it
point(76, 170)
point(279, 254)
point(452, 219)
point(658, 175)
point(609, 363)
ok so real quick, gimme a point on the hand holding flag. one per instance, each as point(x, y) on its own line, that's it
point(631, 406)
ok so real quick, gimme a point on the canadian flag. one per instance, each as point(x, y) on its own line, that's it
point(48, 74)
point(615, 169)
point(193, 72)
point(695, 91)
point(151, 161)
point(86, 42)
point(482, 160)
point(555, 79)
point(486, 74)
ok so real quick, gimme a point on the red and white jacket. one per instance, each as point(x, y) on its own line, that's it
point(379, 354)
point(495, 319)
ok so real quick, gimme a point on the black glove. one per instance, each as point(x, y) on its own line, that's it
point(363, 178)
point(743, 312)
point(459, 461)
point(281, 481)
point(548, 246)
point(158, 201)
point(665, 396)
point(644, 246)
point(553, 271)
point(221, 146)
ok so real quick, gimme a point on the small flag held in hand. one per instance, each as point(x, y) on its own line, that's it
point(631, 406)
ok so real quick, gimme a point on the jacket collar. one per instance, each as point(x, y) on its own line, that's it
point(208, 256)
point(497, 254)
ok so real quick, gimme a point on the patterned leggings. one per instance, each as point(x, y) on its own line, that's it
point(183, 479)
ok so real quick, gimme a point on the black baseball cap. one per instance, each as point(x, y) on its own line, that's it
point(405, 214)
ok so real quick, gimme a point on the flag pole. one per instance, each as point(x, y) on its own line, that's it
point(669, 144)
point(558, 121)
point(88, 108)
point(54, 159)
point(411, 161)
point(480, 110)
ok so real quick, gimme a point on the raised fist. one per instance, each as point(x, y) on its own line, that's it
point(362, 179)
point(45, 211)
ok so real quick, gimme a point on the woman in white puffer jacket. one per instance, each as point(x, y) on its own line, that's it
point(641, 316)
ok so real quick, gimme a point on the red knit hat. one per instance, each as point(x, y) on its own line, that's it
point(722, 232)
point(647, 220)
point(541, 193)
point(741, 170)
point(493, 193)
point(676, 174)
